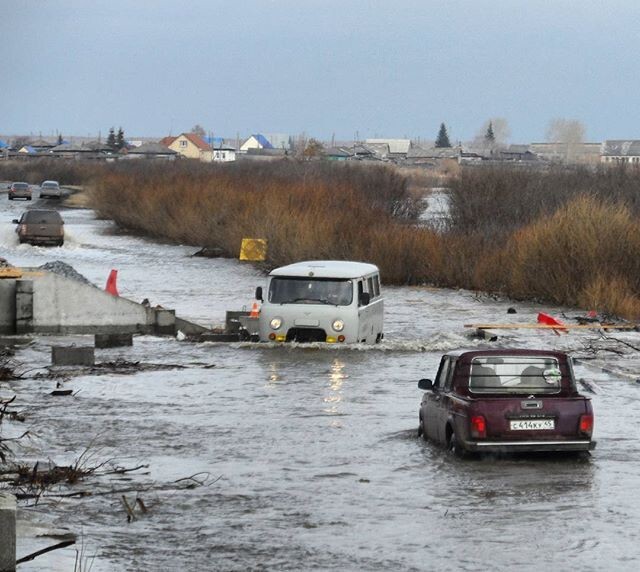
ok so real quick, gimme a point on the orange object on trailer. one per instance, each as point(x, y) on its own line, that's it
point(255, 311)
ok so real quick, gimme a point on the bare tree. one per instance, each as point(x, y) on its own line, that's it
point(199, 130)
point(566, 135)
point(565, 131)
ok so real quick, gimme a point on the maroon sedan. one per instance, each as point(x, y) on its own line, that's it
point(506, 401)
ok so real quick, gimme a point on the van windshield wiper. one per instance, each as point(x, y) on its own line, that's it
point(295, 300)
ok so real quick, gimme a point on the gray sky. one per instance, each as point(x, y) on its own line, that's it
point(389, 68)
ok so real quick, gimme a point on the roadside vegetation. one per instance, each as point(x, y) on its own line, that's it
point(566, 236)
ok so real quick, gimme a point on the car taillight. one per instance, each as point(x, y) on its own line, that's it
point(478, 427)
point(586, 423)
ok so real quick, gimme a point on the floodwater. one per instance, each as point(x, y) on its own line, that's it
point(310, 453)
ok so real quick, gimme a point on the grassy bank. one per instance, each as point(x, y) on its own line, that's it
point(563, 236)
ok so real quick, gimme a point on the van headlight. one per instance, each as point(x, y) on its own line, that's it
point(275, 323)
point(338, 325)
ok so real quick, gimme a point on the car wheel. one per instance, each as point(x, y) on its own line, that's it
point(455, 447)
point(10, 198)
point(28, 198)
point(421, 429)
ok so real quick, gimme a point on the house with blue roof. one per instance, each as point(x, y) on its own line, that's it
point(256, 141)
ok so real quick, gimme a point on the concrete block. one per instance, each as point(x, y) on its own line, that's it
point(165, 322)
point(73, 355)
point(113, 340)
point(7, 532)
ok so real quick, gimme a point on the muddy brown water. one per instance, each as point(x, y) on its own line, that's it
point(314, 449)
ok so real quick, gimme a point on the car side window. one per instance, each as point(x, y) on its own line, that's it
point(443, 373)
point(370, 286)
point(448, 382)
point(376, 285)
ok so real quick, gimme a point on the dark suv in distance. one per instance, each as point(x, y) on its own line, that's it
point(40, 226)
point(19, 191)
point(500, 401)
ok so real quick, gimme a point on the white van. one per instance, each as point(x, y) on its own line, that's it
point(322, 301)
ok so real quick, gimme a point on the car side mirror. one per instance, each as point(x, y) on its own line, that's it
point(365, 298)
point(425, 384)
point(15, 221)
point(259, 293)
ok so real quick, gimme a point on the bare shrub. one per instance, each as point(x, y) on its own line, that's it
point(304, 209)
point(561, 257)
point(34, 171)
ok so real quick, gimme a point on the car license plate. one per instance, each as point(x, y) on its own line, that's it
point(532, 424)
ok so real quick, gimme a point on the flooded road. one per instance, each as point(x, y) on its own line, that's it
point(311, 452)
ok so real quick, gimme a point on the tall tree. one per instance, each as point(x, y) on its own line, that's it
point(111, 139)
point(120, 142)
point(489, 136)
point(443, 137)
point(500, 129)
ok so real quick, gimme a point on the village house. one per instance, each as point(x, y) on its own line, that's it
point(190, 146)
point(616, 151)
point(572, 153)
point(223, 152)
point(256, 141)
point(150, 150)
point(394, 149)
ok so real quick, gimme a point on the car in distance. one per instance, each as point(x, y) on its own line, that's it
point(500, 401)
point(19, 191)
point(40, 226)
point(50, 189)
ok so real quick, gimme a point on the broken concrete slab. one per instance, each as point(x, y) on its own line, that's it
point(43, 302)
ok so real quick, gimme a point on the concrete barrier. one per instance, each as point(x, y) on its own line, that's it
point(7, 532)
point(113, 340)
point(72, 355)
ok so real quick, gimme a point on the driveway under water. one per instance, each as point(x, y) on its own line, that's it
point(314, 449)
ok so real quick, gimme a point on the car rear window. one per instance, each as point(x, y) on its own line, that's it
point(43, 217)
point(515, 374)
point(50, 185)
point(21, 186)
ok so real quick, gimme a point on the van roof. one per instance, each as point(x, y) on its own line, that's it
point(326, 269)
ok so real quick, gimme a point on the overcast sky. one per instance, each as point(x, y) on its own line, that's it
point(394, 68)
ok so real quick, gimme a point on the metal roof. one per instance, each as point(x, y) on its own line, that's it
point(621, 148)
point(326, 269)
point(152, 149)
point(396, 146)
point(263, 141)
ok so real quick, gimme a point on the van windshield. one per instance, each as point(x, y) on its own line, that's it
point(293, 290)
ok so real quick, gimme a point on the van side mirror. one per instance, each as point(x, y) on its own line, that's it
point(425, 384)
point(365, 298)
point(259, 293)
point(15, 221)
